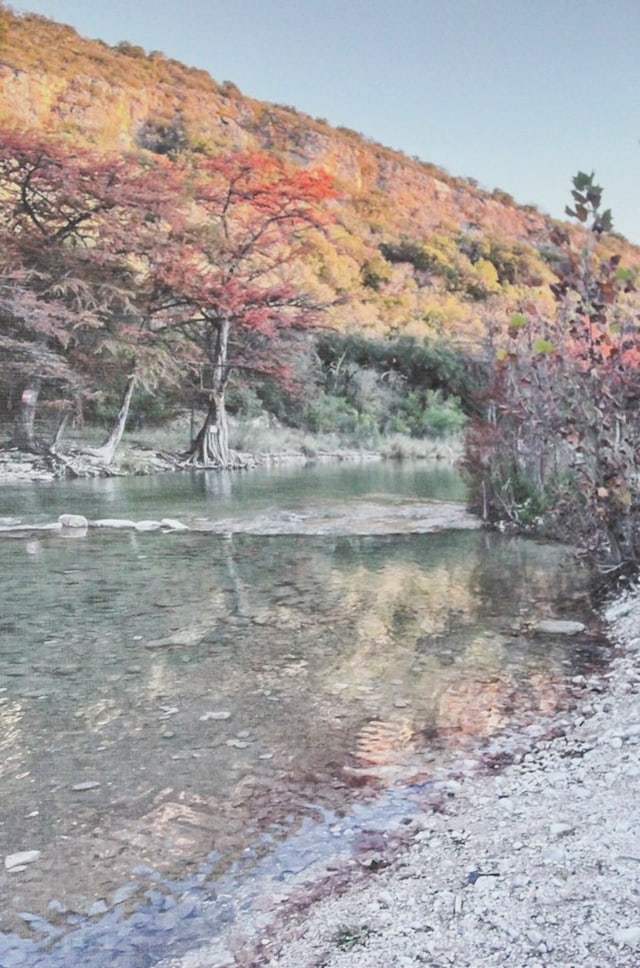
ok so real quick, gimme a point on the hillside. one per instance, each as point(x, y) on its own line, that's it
point(420, 252)
point(404, 271)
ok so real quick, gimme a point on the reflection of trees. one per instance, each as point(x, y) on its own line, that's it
point(516, 575)
point(477, 708)
point(318, 647)
point(419, 662)
point(390, 609)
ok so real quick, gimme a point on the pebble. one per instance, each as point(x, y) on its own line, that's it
point(57, 907)
point(219, 714)
point(97, 908)
point(385, 899)
point(21, 859)
point(628, 936)
point(553, 855)
point(560, 829)
point(555, 626)
point(124, 893)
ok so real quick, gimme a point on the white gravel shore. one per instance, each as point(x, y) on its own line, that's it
point(538, 864)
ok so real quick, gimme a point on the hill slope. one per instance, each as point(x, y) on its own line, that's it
point(418, 251)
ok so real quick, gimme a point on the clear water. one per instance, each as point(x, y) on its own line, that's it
point(224, 494)
point(171, 704)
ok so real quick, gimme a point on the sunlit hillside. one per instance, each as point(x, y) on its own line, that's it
point(414, 251)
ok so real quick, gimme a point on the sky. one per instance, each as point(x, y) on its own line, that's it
point(518, 94)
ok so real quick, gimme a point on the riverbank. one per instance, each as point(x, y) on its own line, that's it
point(137, 458)
point(535, 864)
point(156, 451)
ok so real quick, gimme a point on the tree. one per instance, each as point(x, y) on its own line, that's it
point(74, 231)
point(226, 282)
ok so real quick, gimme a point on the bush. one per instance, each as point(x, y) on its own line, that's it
point(561, 436)
point(328, 414)
point(442, 416)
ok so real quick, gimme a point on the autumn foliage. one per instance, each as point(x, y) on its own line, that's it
point(225, 283)
point(117, 266)
point(559, 446)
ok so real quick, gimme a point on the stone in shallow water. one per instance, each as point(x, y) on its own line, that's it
point(112, 523)
point(174, 525)
point(147, 525)
point(97, 908)
point(124, 893)
point(73, 521)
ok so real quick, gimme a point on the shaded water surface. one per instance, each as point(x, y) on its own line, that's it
point(173, 707)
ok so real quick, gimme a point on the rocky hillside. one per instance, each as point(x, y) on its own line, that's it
point(418, 252)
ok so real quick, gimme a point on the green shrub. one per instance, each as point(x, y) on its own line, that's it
point(326, 414)
point(442, 415)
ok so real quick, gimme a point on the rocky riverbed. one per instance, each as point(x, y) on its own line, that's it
point(536, 862)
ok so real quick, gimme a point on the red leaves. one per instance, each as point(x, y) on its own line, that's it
point(224, 278)
point(186, 264)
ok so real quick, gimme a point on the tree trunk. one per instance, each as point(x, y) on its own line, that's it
point(23, 430)
point(62, 423)
point(107, 450)
point(211, 446)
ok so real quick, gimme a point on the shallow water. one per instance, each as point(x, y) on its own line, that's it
point(175, 707)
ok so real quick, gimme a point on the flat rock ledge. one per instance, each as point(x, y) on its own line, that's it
point(408, 517)
point(538, 864)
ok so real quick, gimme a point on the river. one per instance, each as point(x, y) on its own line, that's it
point(182, 712)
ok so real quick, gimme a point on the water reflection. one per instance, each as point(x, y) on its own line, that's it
point(213, 494)
point(166, 696)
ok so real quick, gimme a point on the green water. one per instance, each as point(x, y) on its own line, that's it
point(165, 696)
point(221, 494)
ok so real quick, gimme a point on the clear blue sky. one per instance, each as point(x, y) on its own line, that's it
point(519, 94)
